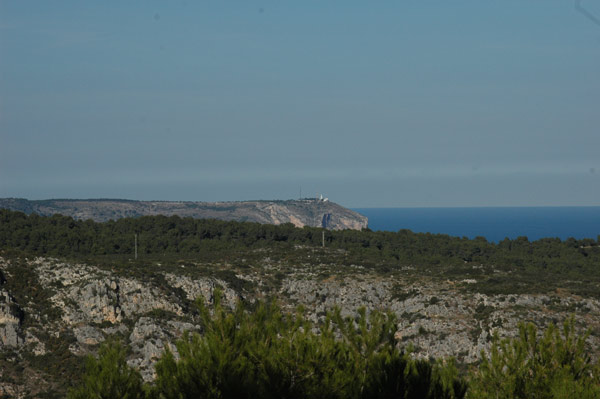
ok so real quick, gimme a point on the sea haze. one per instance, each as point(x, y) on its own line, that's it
point(494, 224)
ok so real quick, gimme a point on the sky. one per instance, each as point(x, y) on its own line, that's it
point(372, 104)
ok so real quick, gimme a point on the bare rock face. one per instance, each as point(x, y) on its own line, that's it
point(10, 320)
point(88, 335)
point(204, 289)
point(315, 213)
point(306, 212)
point(90, 295)
point(440, 322)
point(150, 338)
point(94, 305)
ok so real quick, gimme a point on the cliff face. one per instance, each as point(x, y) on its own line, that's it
point(300, 213)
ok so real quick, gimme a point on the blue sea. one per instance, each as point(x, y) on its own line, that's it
point(494, 224)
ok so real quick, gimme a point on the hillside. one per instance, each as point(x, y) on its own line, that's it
point(66, 286)
point(55, 311)
point(306, 212)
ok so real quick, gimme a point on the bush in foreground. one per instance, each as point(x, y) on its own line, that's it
point(555, 365)
point(109, 376)
point(269, 354)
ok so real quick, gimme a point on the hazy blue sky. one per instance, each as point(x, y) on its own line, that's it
point(373, 103)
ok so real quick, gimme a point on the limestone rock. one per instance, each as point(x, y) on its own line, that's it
point(10, 320)
point(88, 335)
point(150, 314)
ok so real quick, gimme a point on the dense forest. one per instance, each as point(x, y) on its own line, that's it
point(64, 236)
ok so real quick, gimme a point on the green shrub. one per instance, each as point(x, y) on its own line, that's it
point(109, 376)
point(270, 354)
point(553, 366)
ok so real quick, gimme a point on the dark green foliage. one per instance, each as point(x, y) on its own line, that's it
point(109, 376)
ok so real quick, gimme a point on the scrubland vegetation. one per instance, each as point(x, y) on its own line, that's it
point(260, 350)
point(510, 266)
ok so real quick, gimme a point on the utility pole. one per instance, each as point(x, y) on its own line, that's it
point(136, 246)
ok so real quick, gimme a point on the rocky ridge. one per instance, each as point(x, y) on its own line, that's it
point(84, 304)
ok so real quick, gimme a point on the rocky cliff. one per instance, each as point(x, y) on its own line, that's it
point(307, 212)
point(52, 312)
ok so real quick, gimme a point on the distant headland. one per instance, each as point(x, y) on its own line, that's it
point(304, 212)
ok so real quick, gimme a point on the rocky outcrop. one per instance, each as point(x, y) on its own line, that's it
point(11, 316)
point(149, 339)
point(94, 304)
point(306, 212)
point(150, 310)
